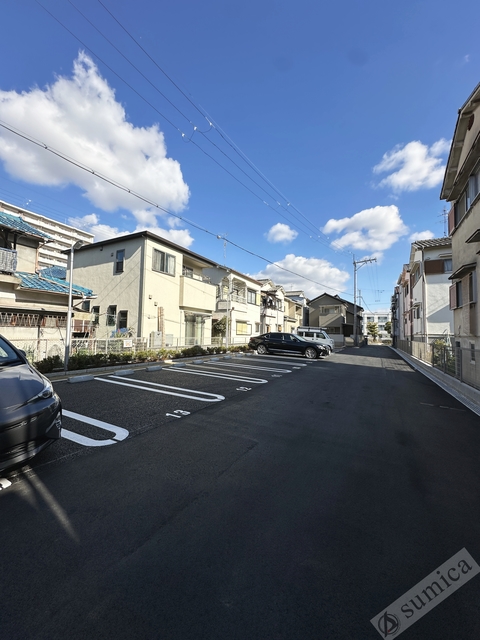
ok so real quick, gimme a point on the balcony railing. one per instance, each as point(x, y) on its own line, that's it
point(8, 260)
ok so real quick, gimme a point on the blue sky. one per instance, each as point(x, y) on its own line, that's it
point(307, 134)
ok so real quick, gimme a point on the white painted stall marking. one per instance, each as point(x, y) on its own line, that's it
point(120, 433)
point(208, 397)
point(250, 366)
point(223, 376)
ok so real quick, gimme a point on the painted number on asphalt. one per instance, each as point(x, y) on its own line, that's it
point(178, 413)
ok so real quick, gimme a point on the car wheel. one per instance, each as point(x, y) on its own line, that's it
point(310, 353)
point(262, 349)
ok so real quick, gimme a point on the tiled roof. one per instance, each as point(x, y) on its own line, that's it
point(52, 285)
point(60, 273)
point(15, 223)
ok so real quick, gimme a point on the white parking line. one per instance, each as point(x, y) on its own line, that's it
point(251, 366)
point(209, 397)
point(223, 376)
point(120, 433)
point(289, 362)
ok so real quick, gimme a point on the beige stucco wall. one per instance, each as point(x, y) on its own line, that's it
point(154, 300)
point(94, 268)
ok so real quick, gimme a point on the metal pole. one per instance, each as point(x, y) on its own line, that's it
point(68, 337)
point(355, 337)
point(227, 324)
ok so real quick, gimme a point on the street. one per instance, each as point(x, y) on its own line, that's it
point(250, 497)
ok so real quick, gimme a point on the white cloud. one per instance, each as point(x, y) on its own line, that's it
point(281, 233)
point(330, 278)
point(80, 117)
point(421, 235)
point(91, 223)
point(415, 166)
point(375, 230)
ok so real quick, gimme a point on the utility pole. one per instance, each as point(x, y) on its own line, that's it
point(356, 267)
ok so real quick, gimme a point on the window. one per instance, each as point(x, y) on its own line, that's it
point(122, 320)
point(163, 262)
point(460, 208)
point(96, 315)
point(112, 315)
point(472, 353)
point(458, 286)
point(86, 305)
point(251, 296)
point(472, 190)
point(447, 265)
point(120, 261)
point(257, 327)
point(472, 286)
point(243, 328)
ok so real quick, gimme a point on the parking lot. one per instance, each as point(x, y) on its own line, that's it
point(107, 408)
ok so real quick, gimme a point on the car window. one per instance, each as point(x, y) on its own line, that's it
point(7, 354)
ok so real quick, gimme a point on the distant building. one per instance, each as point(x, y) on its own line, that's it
point(380, 318)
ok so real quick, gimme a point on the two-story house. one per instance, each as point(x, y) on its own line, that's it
point(238, 300)
point(461, 187)
point(336, 316)
point(149, 287)
point(429, 269)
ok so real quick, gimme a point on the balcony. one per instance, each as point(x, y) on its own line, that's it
point(8, 261)
point(197, 293)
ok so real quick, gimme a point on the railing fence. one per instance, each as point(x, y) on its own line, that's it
point(460, 363)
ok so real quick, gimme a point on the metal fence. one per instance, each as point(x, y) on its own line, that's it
point(457, 362)
point(41, 348)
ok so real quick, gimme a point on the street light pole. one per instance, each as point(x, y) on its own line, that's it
point(68, 337)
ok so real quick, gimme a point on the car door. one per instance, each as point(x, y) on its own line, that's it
point(275, 342)
point(292, 344)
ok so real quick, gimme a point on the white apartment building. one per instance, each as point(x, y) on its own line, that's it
point(62, 236)
point(380, 318)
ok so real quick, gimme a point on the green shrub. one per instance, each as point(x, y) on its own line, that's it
point(47, 365)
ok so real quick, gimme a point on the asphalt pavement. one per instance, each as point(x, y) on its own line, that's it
point(297, 508)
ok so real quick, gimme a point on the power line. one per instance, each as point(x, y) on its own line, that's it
point(133, 193)
point(317, 238)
